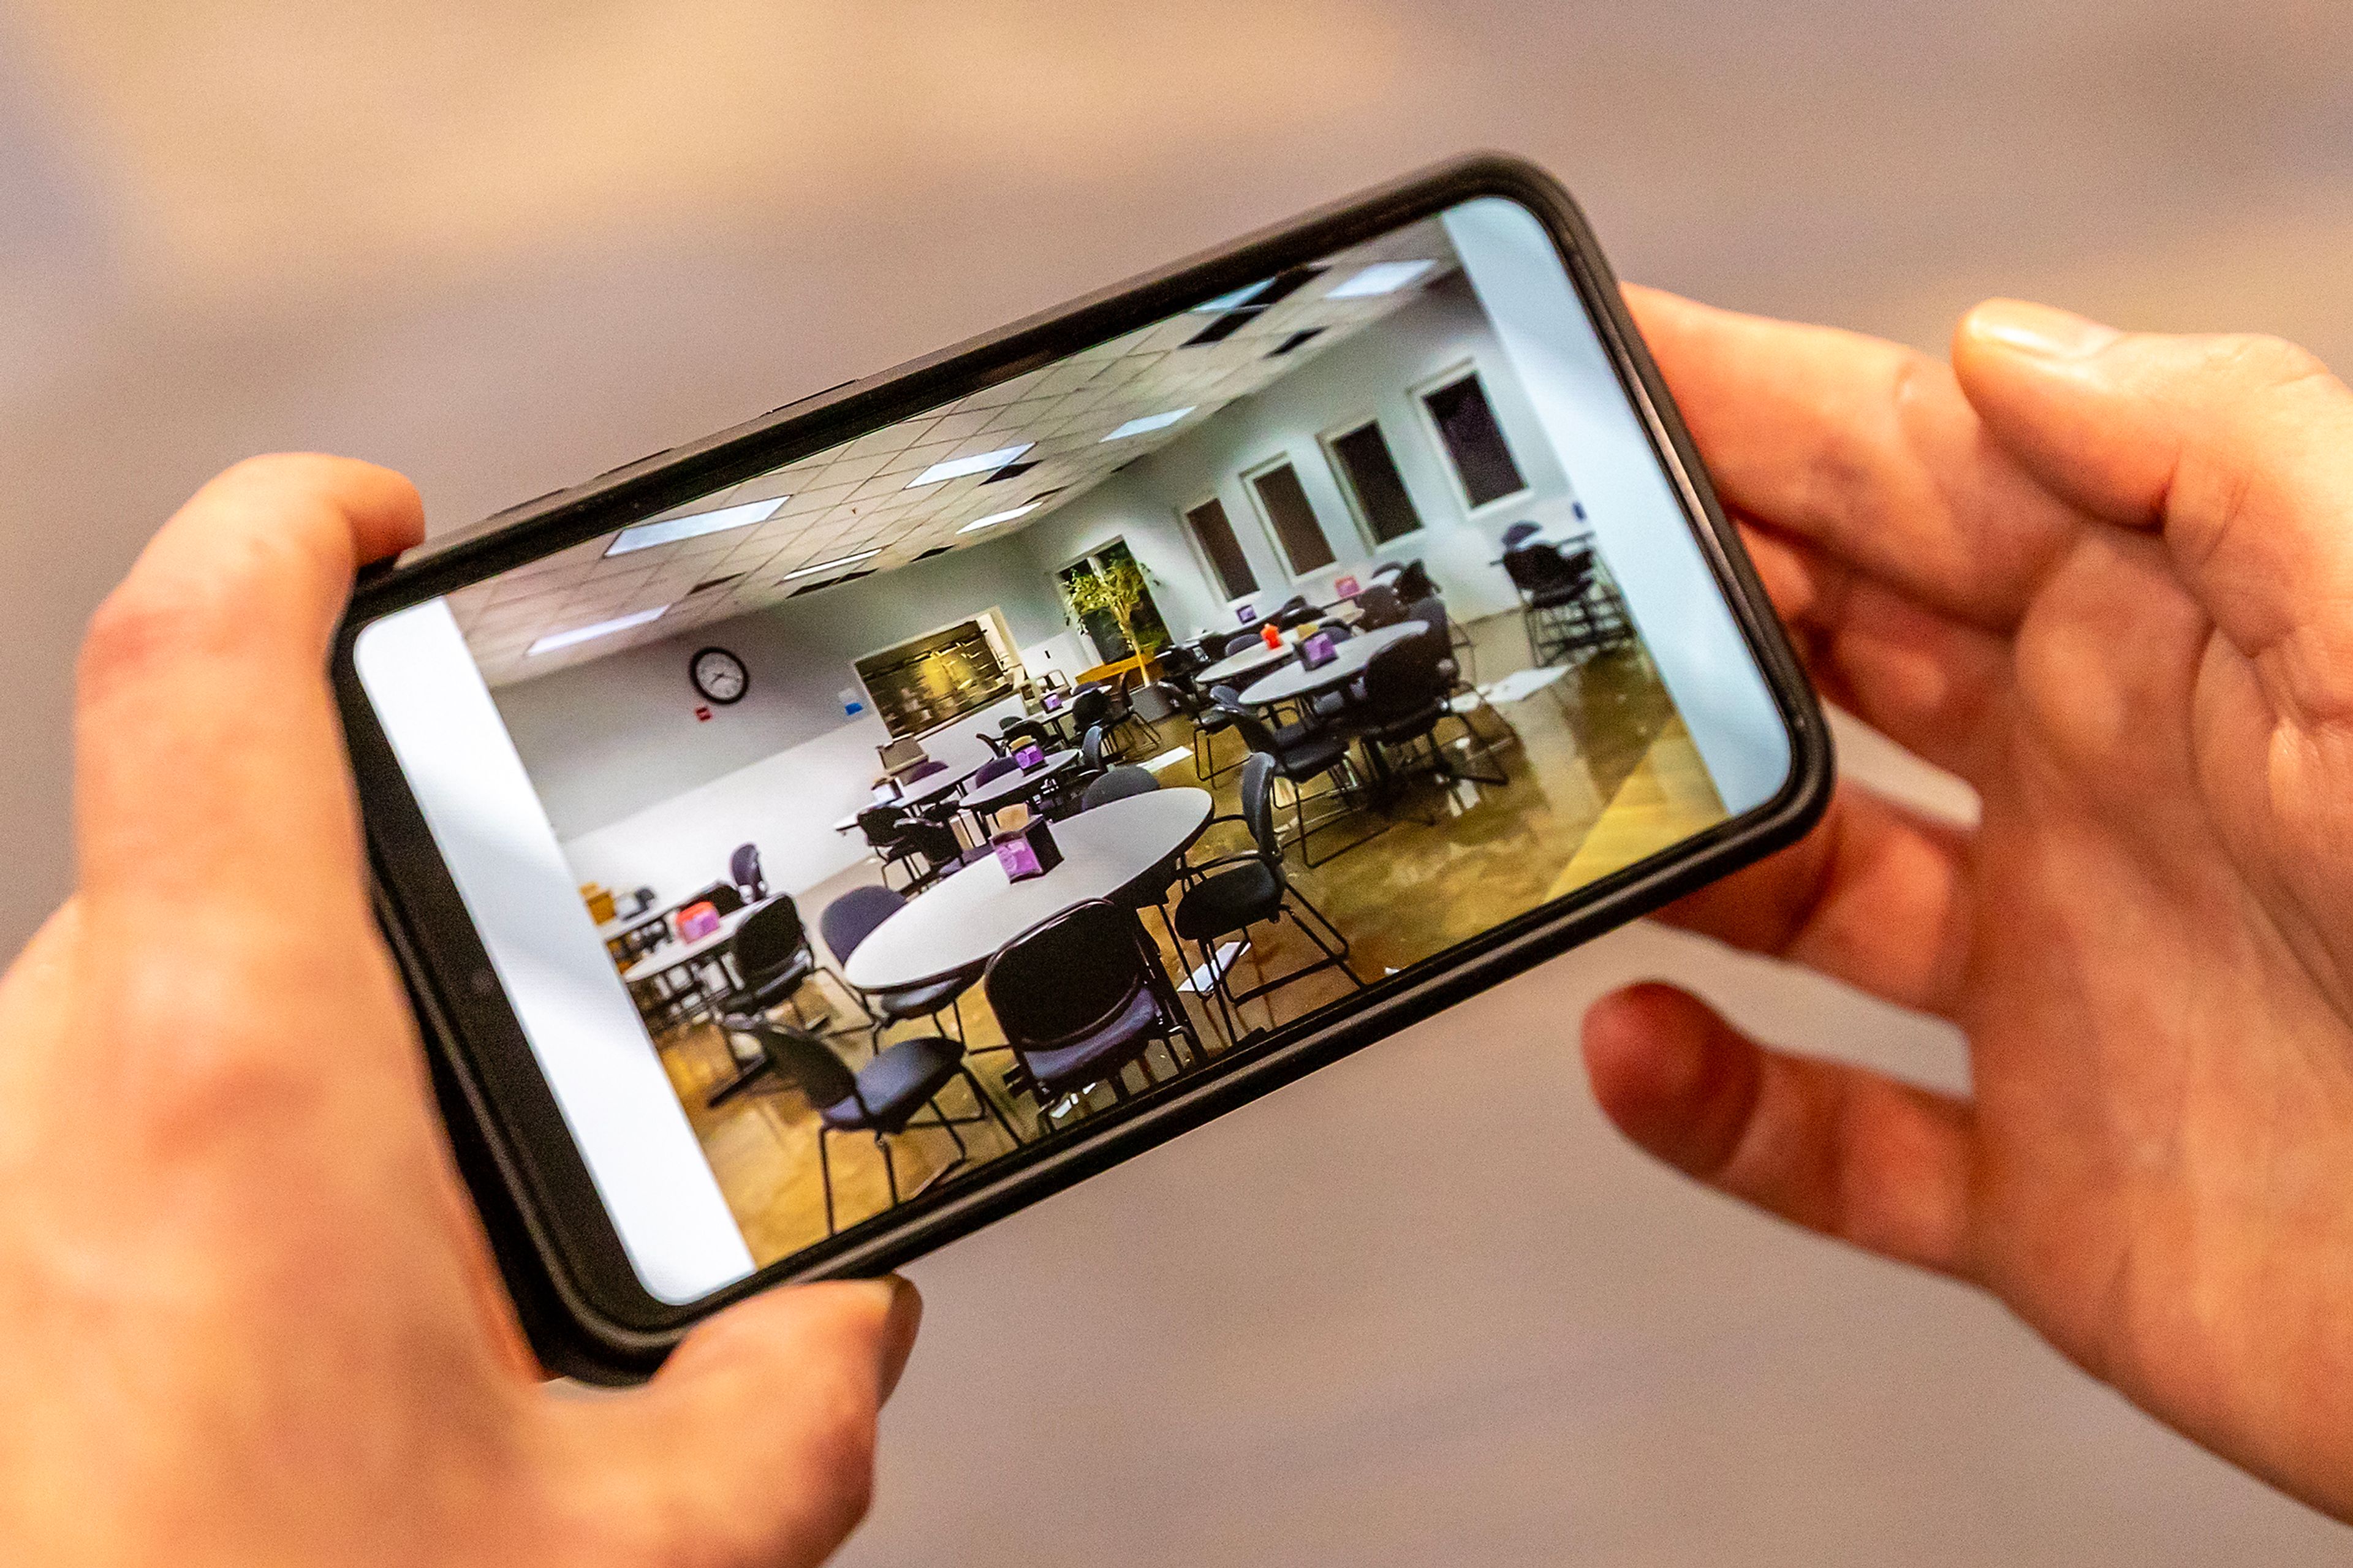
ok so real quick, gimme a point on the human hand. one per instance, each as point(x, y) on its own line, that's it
point(2107, 580)
point(250, 1317)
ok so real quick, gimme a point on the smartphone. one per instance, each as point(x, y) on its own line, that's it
point(805, 845)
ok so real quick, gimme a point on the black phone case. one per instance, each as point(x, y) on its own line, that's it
point(543, 1219)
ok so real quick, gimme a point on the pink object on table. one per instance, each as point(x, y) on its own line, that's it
point(697, 921)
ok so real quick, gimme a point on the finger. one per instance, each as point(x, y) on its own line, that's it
point(1928, 681)
point(209, 756)
point(1866, 449)
point(1876, 896)
point(1881, 1164)
point(756, 1444)
point(2235, 447)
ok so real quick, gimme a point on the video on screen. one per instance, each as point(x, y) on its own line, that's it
point(937, 794)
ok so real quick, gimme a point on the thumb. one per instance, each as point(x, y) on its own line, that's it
point(754, 1444)
point(2239, 449)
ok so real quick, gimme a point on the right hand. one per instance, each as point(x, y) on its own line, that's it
point(2107, 579)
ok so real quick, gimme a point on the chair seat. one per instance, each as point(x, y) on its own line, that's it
point(895, 1085)
point(921, 1000)
point(1406, 726)
point(1228, 901)
point(1556, 598)
point(1097, 1056)
point(763, 992)
point(1313, 755)
point(1214, 718)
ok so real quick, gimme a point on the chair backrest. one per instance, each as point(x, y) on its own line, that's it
point(720, 895)
point(1519, 534)
point(881, 824)
point(1412, 582)
point(1378, 607)
point(851, 919)
point(799, 1057)
point(1225, 696)
point(770, 937)
point(1020, 732)
point(1258, 809)
point(1117, 785)
point(1403, 681)
point(1254, 733)
point(992, 770)
point(1091, 745)
point(1065, 978)
point(1155, 700)
point(1296, 615)
point(1538, 568)
point(1091, 707)
point(1235, 645)
point(1431, 612)
point(996, 743)
point(934, 841)
point(925, 769)
point(744, 867)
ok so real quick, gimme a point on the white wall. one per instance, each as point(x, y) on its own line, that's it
point(607, 739)
point(1369, 377)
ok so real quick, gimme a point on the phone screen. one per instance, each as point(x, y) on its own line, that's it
point(930, 798)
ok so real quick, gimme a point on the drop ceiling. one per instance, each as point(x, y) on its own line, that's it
point(863, 505)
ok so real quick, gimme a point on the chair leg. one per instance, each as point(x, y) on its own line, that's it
point(1341, 957)
point(890, 1167)
point(825, 1175)
point(981, 1098)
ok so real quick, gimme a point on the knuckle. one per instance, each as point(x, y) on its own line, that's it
point(145, 623)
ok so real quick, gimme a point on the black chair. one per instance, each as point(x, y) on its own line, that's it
point(1091, 709)
point(1378, 607)
point(1300, 753)
point(892, 835)
point(1210, 720)
point(1519, 534)
point(1407, 697)
point(1235, 645)
point(882, 1097)
point(1122, 716)
point(1559, 606)
point(847, 922)
point(1075, 997)
point(1412, 582)
point(925, 769)
point(1118, 783)
point(723, 897)
point(772, 959)
point(743, 870)
point(1235, 892)
point(1293, 611)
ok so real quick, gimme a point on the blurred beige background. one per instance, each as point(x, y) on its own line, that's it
point(506, 247)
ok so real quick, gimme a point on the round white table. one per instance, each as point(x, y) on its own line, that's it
point(1007, 788)
point(965, 920)
point(1295, 680)
point(932, 786)
point(1250, 660)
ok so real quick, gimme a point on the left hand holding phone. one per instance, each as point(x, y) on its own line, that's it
point(251, 1315)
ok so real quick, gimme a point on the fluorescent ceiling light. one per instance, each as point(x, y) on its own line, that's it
point(554, 640)
point(671, 530)
point(958, 467)
point(1149, 423)
point(1238, 298)
point(993, 519)
point(829, 565)
point(1380, 277)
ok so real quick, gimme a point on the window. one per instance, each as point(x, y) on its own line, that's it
point(1368, 472)
point(1290, 519)
point(1466, 427)
point(1215, 535)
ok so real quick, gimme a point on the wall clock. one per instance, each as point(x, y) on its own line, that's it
point(719, 674)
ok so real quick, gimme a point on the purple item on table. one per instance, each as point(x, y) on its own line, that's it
point(1245, 613)
point(1317, 651)
point(1030, 757)
point(1027, 852)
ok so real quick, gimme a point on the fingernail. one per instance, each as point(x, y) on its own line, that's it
point(906, 1315)
point(2040, 330)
